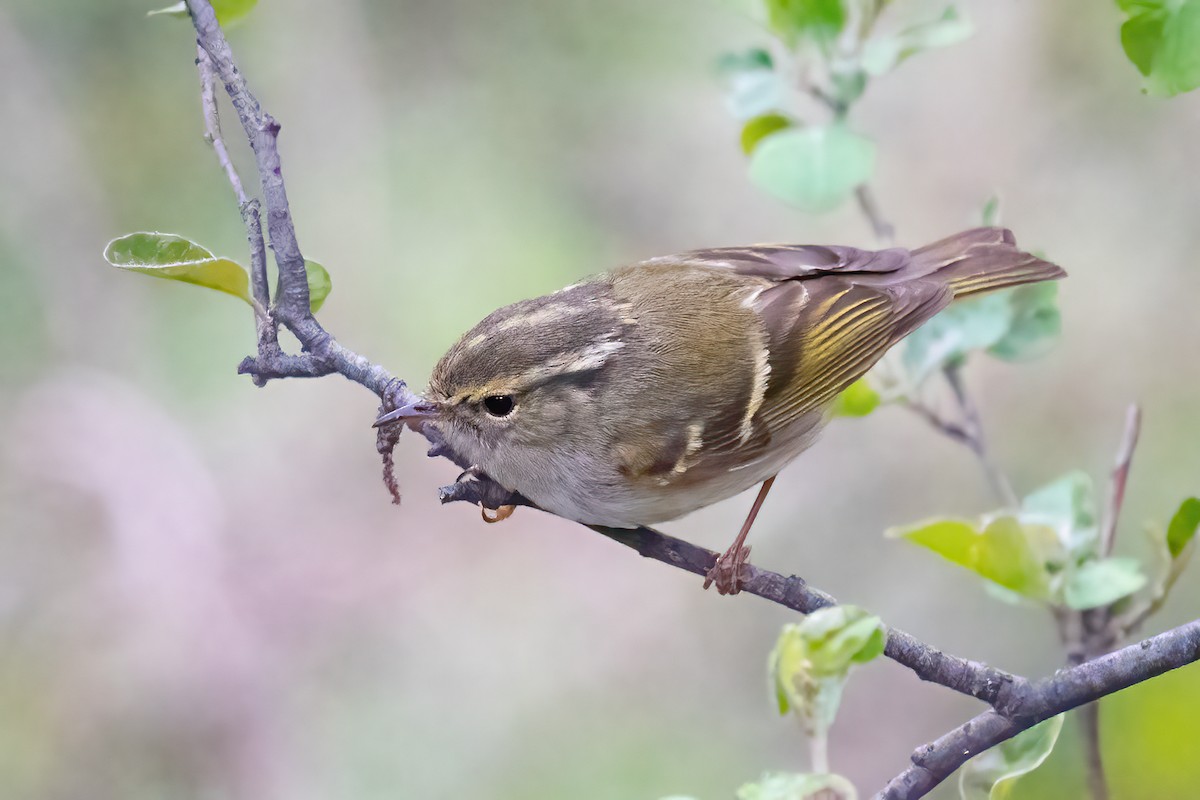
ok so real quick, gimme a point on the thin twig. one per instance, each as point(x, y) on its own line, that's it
point(948, 428)
point(884, 231)
point(212, 123)
point(977, 440)
point(1120, 476)
point(265, 327)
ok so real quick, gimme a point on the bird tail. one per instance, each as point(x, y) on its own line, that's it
point(982, 260)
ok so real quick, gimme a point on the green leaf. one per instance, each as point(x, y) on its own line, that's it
point(1102, 582)
point(1162, 39)
point(754, 88)
point(857, 400)
point(989, 215)
point(990, 775)
point(1004, 551)
point(840, 636)
point(1183, 527)
point(755, 58)
point(1141, 37)
point(882, 54)
point(761, 127)
point(849, 83)
point(795, 21)
point(754, 93)
point(973, 324)
point(812, 659)
point(226, 10)
point(165, 255)
point(319, 284)
point(175, 10)
point(815, 169)
point(1068, 505)
point(1036, 323)
point(794, 786)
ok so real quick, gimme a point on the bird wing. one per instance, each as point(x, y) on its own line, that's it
point(782, 262)
point(828, 314)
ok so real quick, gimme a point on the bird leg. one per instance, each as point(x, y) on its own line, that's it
point(727, 572)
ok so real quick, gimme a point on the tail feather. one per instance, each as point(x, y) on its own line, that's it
point(982, 260)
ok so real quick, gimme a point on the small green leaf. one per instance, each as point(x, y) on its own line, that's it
point(989, 215)
point(754, 93)
point(1162, 39)
point(1141, 37)
point(857, 400)
point(165, 255)
point(1183, 527)
point(840, 636)
point(750, 60)
point(1036, 323)
point(1068, 505)
point(812, 659)
point(989, 775)
point(319, 284)
point(1004, 551)
point(754, 88)
point(882, 54)
point(815, 169)
point(795, 21)
point(848, 84)
point(761, 127)
point(175, 10)
point(1102, 582)
point(794, 786)
point(976, 323)
point(227, 10)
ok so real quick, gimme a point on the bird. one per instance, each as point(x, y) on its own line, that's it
point(642, 394)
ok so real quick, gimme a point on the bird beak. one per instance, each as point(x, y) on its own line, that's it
point(416, 410)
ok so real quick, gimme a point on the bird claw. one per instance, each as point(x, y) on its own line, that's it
point(729, 572)
point(500, 514)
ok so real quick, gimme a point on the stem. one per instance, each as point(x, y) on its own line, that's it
point(977, 440)
point(884, 231)
point(818, 752)
point(1089, 717)
point(1120, 477)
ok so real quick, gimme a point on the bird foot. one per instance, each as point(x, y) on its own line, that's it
point(498, 514)
point(729, 573)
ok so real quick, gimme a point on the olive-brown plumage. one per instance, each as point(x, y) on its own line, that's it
point(645, 393)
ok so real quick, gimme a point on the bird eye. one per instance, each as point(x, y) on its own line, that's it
point(499, 405)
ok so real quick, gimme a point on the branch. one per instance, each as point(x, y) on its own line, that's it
point(1016, 704)
point(323, 355)
point(268, 336)
point(995, 687)
point(1071, 688)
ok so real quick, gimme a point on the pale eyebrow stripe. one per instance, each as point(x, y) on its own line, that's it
point(547, 313)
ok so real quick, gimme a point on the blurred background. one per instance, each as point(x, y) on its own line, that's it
point(204, 590)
